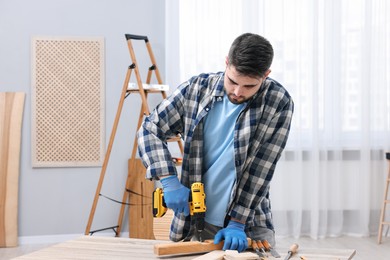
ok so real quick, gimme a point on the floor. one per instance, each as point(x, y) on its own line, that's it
point(366, 248)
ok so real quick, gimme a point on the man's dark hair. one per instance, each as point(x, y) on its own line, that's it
point(251, 55)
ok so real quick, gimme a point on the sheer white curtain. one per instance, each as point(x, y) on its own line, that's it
point(334, 58)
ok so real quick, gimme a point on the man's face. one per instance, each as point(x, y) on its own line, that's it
point(240, 88)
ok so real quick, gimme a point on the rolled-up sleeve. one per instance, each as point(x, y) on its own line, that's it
point(163, 123)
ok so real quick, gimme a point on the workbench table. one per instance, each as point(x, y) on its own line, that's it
point(112, 248)
point(98, 247)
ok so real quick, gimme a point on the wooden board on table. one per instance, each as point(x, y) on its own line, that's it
point(322, 254)
point(228, 255)
point(140, 200)
point(195, 247)
point(309, 254)
point(11, 114)
point(182, 248)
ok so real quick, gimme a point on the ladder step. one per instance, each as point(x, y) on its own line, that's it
point(385, 223)
point(149, 87)
point(145, 90)
point(174, 139)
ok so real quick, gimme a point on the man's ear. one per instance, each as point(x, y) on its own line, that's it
point(227, 61)
point(267, 73)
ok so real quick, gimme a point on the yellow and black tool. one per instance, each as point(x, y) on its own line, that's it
point(197, 205)
point(197, 199)
point(159, 206)
point(197, 202)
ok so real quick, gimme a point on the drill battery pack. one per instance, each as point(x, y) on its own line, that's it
point(159, 206)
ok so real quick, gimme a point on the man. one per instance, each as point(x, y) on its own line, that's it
point(234, 125)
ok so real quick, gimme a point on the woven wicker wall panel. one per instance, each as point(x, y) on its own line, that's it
point(67, 101)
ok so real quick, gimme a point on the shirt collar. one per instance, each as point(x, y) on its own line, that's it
point(219, 90)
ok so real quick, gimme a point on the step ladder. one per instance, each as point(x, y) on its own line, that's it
point(386, 201)
point(138, 191)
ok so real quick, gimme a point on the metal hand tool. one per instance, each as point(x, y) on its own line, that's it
point(256, 248)
point(261, 247)
point(293, 249)
point(268, 247)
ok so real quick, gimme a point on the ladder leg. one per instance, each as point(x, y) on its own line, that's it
point(144, 109)
point(108, 152)
point(153, 60)
point(159, 80)
point(125, 198)
point(380, 231)
point(138, 76)
point(383, 211)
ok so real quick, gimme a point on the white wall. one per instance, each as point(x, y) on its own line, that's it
point(56, 201)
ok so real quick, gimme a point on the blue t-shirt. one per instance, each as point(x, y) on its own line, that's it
point(218, 157)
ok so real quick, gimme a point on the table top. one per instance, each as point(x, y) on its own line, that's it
point(115, 248)
point(95, 247)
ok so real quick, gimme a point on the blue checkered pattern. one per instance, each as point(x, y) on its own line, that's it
point(260, 135)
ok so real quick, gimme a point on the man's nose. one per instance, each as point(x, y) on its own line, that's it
point(238, 90)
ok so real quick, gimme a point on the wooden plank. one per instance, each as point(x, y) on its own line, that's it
point(228, 255)
point(11, 113)
point(324, 253)
point(184, 248)
point(307, 254)
point(191, 247)
point(213, 255)
point(140, 209)
point(195, 247)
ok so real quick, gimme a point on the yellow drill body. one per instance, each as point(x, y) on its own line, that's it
point(197, 202)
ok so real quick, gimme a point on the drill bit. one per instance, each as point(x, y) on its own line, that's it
point(199, 225)
point(200, 236)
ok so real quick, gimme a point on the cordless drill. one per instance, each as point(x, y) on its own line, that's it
point(197, 205)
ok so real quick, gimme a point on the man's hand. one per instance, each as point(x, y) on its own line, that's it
point(175, 195)
point(234, 236)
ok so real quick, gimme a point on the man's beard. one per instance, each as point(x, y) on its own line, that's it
point(235, 101)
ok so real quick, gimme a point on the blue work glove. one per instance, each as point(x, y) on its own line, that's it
point(234, 236)
point(175, 195)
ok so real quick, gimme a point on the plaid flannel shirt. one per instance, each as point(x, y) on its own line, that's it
point(260, 135)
